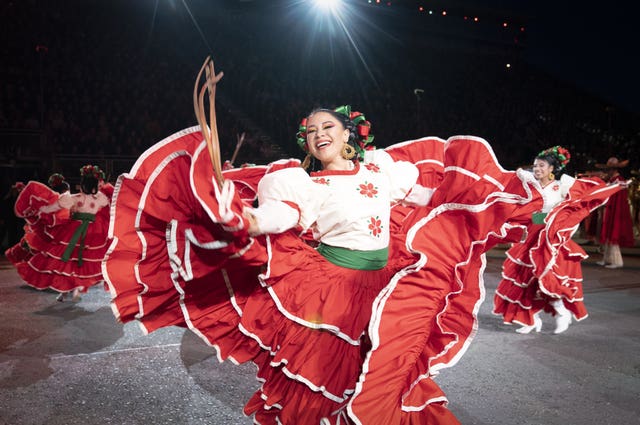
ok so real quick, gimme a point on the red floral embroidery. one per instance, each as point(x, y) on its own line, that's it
point(372, 167)
point(322, 180)
point(375, 225)
point(556, 187)
point(368, 189)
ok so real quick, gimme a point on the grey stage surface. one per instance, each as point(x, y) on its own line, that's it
point(72, 363)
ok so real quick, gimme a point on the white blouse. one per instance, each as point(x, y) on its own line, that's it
point(347, 209)
point(556, 192)
point(82, 202)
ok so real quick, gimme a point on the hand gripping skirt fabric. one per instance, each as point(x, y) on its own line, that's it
point(546, 266)
point(332, 345)
point(48, 239)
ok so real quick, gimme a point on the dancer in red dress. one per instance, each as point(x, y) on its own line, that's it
point(68, 253)
point(543, 272)
point(617, 225)
point(352, 331)
point(35, 223)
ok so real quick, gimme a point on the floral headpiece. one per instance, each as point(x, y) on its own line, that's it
point(560, 153)
point(363, 138)
point(55, 180)
point(92, 171)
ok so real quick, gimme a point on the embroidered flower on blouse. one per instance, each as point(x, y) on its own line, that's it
point(368, 189)
point(375, 225)
point(372, 167)
point(321, 180)
point(556, 187)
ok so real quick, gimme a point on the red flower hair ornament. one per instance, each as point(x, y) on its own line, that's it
point(92, 171)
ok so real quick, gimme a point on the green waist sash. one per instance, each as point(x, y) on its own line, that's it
point(77, 239)
point(538, 217)
point(354, 259)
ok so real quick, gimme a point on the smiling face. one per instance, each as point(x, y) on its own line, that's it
point(326, 136)
point(542, 170)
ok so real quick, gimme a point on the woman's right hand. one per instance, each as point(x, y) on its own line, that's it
point(254, 229)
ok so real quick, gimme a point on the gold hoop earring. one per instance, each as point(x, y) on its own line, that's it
point(552, 176)
point(348, 152)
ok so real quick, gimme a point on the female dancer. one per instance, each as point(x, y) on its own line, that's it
point(543, 272)
point(69, 252)
point(353, 330)
point(27, 205)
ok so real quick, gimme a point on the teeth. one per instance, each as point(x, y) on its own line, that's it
point(322, 144)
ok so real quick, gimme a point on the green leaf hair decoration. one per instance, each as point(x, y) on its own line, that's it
point(562, 154)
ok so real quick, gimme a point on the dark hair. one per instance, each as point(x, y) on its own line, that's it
point(62, 187)
point(558, 168)
point(89, 185)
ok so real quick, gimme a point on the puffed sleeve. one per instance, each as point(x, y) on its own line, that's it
point(102, 200)
point(403, 176)
point(66, 200)
point(566, 182)
point(288, 198)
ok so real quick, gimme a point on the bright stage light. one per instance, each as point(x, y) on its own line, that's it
point(328, 4)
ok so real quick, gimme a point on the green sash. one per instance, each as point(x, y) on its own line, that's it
point(78, 236)
point(538, 218)
point(354, 259)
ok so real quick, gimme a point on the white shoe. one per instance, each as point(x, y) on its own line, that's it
point(537, 325)
point(562, 323)
point(60, 297)
point(600, 263)
point(563, 317)
point(613, 266)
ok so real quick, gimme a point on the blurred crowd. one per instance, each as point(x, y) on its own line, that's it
point(97, 79)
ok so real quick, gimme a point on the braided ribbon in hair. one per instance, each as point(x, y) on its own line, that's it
point(559, 152)
point(363, 138)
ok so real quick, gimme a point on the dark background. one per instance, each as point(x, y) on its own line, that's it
point(99, 81)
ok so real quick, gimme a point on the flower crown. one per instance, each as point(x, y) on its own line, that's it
point(363, 138)
point(92, 171)
point(560, 153)
point(55, 180)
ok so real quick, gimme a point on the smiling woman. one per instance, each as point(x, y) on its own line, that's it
point(337, 285)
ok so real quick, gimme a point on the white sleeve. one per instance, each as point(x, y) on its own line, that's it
point(275, 216)
point(50, 208)
point(64, 201)
point(402, 175)
point(566, 182)
point(287, 198)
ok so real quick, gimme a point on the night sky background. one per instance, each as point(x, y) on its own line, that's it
point(591, 45)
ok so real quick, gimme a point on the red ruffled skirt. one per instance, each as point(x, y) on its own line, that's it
point(48, 239)
point(331, 344)
point(546, 266)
